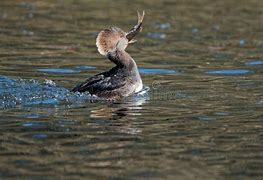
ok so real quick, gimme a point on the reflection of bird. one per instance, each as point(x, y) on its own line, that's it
point(122, 80)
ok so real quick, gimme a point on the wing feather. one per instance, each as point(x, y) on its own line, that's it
point(103, 82)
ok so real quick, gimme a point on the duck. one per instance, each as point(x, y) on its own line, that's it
point(124, 78)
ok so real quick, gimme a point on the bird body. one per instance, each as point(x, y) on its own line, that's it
point(123, 79)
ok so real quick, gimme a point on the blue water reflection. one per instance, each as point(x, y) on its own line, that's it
point(157, 71)
point(40, 136)
point(85, 67)
point(255, 62)
point(230, 72)
point(59, 71)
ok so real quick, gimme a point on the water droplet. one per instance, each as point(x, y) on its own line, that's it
point(50, 82)
point(242, 43)
point(195, 30)
point(27, 33)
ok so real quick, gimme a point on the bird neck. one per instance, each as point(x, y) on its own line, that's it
point(122, 59)
point(128, 66)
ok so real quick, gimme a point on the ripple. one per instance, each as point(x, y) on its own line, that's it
point(27, 32)
point(195, 30)
point(163, 25)
point(230, 72)
point(206, 118)
point(221, 113)
point(31, 116)
point(39, 136)
point(242, 42)
point(255, 62)
point(50, 101)
point(59, 71)
point(157, 71)
point(34, 125)
point(156, 35)
point(85, 67)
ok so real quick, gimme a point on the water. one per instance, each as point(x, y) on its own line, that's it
point(201, 118)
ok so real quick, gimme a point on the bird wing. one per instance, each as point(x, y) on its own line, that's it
point(106, 81)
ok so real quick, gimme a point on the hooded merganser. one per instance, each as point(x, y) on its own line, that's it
point(122, 80)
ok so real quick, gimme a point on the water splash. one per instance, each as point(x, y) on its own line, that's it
point(31, 92)
point(15, 92)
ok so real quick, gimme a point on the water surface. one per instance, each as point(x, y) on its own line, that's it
point(201, 119)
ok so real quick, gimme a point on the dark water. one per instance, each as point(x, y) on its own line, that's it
point(201, 119)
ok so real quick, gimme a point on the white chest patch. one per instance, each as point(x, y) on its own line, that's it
point(138, 87)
